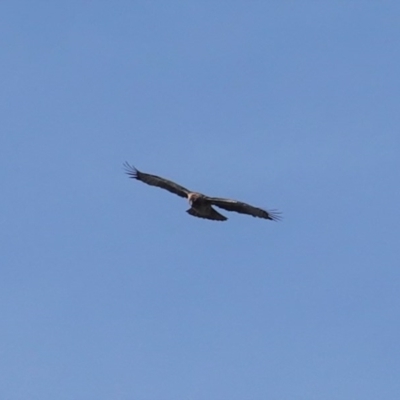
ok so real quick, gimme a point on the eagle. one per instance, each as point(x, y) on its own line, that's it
point(201, 206)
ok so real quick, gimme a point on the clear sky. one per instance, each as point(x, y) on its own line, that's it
point(110, 290)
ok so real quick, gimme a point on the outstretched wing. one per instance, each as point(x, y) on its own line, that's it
point(243, 208)
point(154, 180)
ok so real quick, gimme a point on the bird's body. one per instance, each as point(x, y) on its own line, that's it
point(200, 204)
point(202, 208)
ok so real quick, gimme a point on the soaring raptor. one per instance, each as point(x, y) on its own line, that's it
point(200, 204)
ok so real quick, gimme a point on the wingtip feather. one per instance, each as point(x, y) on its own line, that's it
point(130, 170)
point(275, 215)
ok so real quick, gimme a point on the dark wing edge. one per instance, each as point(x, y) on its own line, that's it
point(244, 208)
point(155, 180)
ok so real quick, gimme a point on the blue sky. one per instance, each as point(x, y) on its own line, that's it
point(109, 290)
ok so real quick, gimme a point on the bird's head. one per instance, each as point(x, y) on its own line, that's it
point(192, 197)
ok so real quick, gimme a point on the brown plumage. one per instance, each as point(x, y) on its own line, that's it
point(201, 205)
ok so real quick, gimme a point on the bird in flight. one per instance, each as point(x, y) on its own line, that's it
point(200, 204)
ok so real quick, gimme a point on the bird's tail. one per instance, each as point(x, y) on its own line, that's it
point(208, 213)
